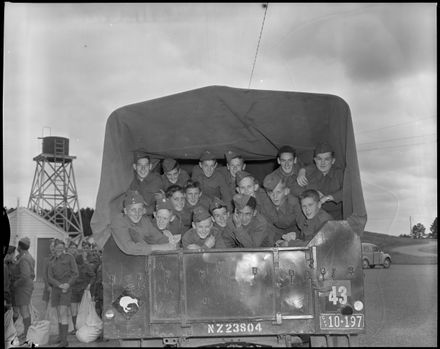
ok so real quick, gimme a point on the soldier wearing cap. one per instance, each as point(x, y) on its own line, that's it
point(249, 228)
point(326, 178)
point(234, 164)
point(203, 234)
point(220, 214)
point(23, 285)
point(289, 166)
point(165, 221)
point(146, 182)
point(212, 181)
point(134, 232)
point(283, 208)
point(173, 174)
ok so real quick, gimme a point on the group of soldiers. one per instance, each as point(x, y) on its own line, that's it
point(67, 272)
point(225, 206)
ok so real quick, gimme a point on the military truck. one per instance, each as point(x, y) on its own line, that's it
point(278, 296)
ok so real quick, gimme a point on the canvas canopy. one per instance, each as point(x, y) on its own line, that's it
point(253, 123)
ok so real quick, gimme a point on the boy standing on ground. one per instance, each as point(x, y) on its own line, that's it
point(62, 272)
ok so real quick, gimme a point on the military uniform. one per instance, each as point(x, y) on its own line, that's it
point(255, 234)
point(309, 227)
point(290, 178)
point(184, 217)
point(62, 269)
point(282, 219)
point(46, 291)
point(329, 184)
point(147, 188)
point(169, 165)
point(23, 285)
point(191, 237)
point(214, 186)
point(135, 238)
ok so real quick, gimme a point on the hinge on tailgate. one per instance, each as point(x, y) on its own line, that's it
point(279, 318)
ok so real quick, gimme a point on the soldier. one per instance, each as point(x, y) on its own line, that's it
point(212, 182)
point(8, 278)
point(134, 232)
point(327, 179)
point(234, 164)
point(47, 286)
point(173, 174)
point(283, 208)
point(250, 228)
point(309, 223)
point(176, 195)
point(248, 185)
point(146, 182)
point(166, 222)
point(289, 166)
point(194, 195)
point(220, 214)
point(62, 273)
point(23, 285)
point(203, 234)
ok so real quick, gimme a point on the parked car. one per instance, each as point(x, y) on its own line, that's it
point(372, 255)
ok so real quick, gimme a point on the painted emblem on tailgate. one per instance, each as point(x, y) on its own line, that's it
point(127, 304)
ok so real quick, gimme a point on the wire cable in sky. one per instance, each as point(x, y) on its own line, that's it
point(394, 125)
point(266, 5)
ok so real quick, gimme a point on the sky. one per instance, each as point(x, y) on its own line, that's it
point(68, 66)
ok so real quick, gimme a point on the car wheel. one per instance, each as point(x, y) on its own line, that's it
point(365, 263)
point(386, 263)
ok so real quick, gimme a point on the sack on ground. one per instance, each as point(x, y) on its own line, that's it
point(93, 319)
point(38, 332)
point(10, 331)
point(19, 326)
point(52, 317)
point(88, 334)
point(83, 309)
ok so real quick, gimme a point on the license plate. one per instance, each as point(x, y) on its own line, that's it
point(234, 327)
point(339, 321)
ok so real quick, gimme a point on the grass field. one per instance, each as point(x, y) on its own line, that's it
point(388, 242)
